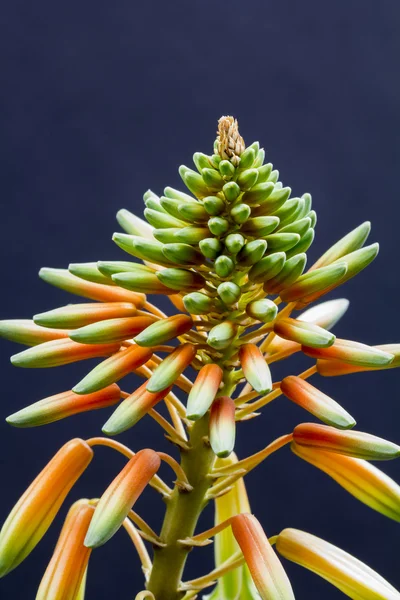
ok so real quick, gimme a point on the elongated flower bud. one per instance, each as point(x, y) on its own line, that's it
point(361, 479)
point(316, 402)
point(342, 570)
point(290, 272)
point(134, 225)
point(349, 243)
point(252, 253)
point(63, 405)
point(25, 331)
point(164, 330)
point(267, 267)
point(171, 367)
point(147, 283)
point(304, 333)
point(229, 292)
point(113, 369)
point(222, 335)
point(145, 249)
point(111, 330)
point(350, 443)
point(182, 254)
point(90, 272)
point(67, 567)
point(60, 352)
point(263, 310)
point(36, 509)
point(351, 352)
point(332, 368)
point(181, 279)
point(118, 499)
point(79, 315)
point(95, 291)
point(132, 409)
point(255, 368)
point(204, 390)
point(266, 570)
point(314, 281)
point(222, 426)
point(109, 267)
point(261, 226)
point(197, 303)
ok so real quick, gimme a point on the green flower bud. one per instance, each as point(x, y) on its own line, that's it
point(247, 179)
point(268, 267)
point(202, 161)
point(120, 266)
point(260, 226)
point(197, 303)
point(182, 254)
point(247, 158)
point(141, 248)
point(146, 283)
point(214, 205)
point(289, 211)
point(231, 191)
point(193, 212)
point(306, 206)
point(234, 242)
point(215, 160)
point(194, 182)
point(180, 279)
point(224, 266)
point(222, 335)
point(274, 176)
point(263, 310)
point(252, 252)
point(226, 169)
point(161, 220)
point(229, 292)
point(313, 216)
point(173, 194)
point(210, 247)
point(291, 271)
point(89, 272)
point(259, 193)
point(259, 158)
point(264, 172)
point(212, 179)
point(218, 225)
point(301, 227)
point(191, 235)
point(171, 206)
point(303, 245)
point(282, 241)
point(240, 213)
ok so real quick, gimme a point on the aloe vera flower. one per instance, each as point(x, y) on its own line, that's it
point(230, 254)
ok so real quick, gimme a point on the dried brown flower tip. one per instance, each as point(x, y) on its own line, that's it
point(230, 143)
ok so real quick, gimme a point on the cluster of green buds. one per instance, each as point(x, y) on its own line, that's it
point(231, 257)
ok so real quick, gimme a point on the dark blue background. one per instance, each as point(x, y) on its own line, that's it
point(102, 100)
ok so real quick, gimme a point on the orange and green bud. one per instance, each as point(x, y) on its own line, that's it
point(181, 279)
point(222, 426)
point(63, 405)
point(222, 335)
point(111, 330)
point(349, 243)
point(319, 280)
point(267, 268)
point(36, 509)
point(140, 281)
point(60, 352)
point(351, 352)
point(79, 315)
point(351, 443)
point(171, 367)
point(25, 331)
point(263, 310)
point(361, 479)
point(255, 368)
point(164, 330)
point(266, 570)
point(64, 280)
point(132, 409)
point(316, 402)
point(113, 369)
point(120, 496)
point(304, 333)
point(66, 570)
point(204, 390)
point(332, 368)
point(348, 574)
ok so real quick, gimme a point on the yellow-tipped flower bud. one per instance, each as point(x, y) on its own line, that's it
point(255, 368)
point(222, 426)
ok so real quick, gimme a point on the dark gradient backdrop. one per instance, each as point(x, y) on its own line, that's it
point(102, 100)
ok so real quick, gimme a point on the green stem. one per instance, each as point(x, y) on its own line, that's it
point(183, 511)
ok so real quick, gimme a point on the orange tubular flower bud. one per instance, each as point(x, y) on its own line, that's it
point(351, 352)
point(361, 479)
point(67, 567)
point(171, 367)
point(204, 390)
point(316, 402)
point(111, 330)
point(25, 331)
point(60, 352)
point(333, 368)
point(63, 405)
point(350, 443)
point(266, 570)
point(79, 315)
point(132, 409)
point(342, 570)
point(304, 333)
point(164, 330)
point(120, 496)
point(63, 279)
point(113, 369)
point(222, 426)
point(255, 368)
point(36, 509)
